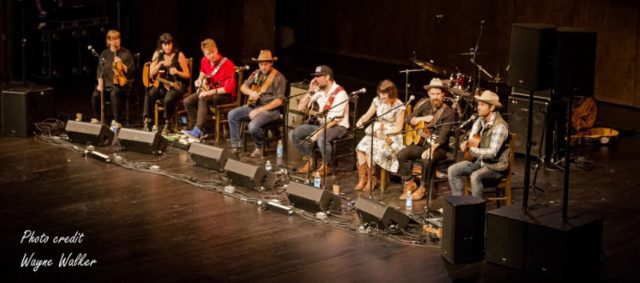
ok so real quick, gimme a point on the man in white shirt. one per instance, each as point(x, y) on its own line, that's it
point(326, 93)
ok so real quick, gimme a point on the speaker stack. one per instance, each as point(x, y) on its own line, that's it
point(312, 199)
point(463, 229)
point(22, 106)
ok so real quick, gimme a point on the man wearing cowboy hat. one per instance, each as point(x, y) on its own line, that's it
point(492, 154)
point(434, 112)
point(266, 89)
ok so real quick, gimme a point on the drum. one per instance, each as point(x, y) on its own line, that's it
point(461, 81)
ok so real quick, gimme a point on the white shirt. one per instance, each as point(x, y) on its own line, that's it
point(341, 110)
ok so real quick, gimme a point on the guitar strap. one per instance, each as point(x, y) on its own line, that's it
point(332, 97)
point(217, 68)
point(267, 83)
point(438, 114)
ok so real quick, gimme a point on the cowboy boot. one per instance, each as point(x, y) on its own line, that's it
point(362, 177)
point(409, 187)
point(373, 180)
point(419, 193)
point(306, 167)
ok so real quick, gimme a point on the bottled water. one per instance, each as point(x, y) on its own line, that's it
point(279, 153)
point(267, 166)
point(114, 127)
point(409, 203)
point(316, 180)
point(154, 129)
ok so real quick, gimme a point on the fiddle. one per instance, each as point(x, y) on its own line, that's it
point(119, 78)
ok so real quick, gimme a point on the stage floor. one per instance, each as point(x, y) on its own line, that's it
point(146, 226)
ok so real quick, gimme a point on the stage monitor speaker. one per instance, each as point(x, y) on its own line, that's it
point(373, 212)
point(249, 175)
point(22, 106)
point(87, 133)
point(463, 229)
point(142, 141)
point(538, 242)
point(312, 199)
point(575, 61)
point(530, 53)
point(546, 124)
point(209, 156)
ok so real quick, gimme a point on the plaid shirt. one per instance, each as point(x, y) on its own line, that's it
point(500, 134)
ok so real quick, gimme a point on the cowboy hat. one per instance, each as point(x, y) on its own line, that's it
point(489, 97)
point(265, 56)
point(435, 82)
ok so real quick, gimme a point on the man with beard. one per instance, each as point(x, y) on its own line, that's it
point(434, 112)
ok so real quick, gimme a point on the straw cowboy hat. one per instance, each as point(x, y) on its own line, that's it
point(489, 97)
point(435, 82)
point(265, 56)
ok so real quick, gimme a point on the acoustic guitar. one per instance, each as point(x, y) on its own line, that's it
point(170, 84)
point(418, 134)
point(473, 141)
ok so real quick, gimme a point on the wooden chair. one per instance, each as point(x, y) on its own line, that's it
point(220, 112)
point(500, 188)
point(158, 107)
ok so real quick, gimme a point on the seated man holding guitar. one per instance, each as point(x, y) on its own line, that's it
point(266, 90)
point(170, 71)
point(216, 85)
point(487, 145)
point(431, 146)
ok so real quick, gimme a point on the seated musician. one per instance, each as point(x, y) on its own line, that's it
point(170, 64)
point(266, 89)
point(387, 136)
point(215, 85)
point(115, 71)
point(326, 93)
point(434, 118)
point(491, 155)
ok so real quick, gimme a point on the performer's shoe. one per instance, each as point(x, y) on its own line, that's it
point(145, 124)
point(362, 177)
point(257, 153)
point(306, 167)
point(419, 193)
point(166, 130)
point(409, 187)
point(325, 168)
point(373, 180)
point(195, 133)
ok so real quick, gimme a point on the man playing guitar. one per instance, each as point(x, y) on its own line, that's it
point(266, 90)
point(492, 154)
point(433, 112)
point(216, 85)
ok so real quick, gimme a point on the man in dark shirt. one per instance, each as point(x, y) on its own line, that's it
point(266, 89)
point(434, 112)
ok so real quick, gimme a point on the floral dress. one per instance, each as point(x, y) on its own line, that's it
point(384, 155)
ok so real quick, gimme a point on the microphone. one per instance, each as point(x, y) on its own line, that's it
point(242, 68)
point(465, 123)
point(411, 98)
point(362, 90)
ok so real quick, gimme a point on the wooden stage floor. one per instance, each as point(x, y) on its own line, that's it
point(141, 226)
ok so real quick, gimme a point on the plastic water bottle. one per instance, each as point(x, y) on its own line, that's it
point(114, 127)
point(267, 166)
point(154, 129)
point(409, 203)
point(279, 153)
point(316, 180)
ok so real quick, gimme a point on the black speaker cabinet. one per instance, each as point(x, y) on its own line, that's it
point(22, 106)
point(575, 61)
point(539, 242)
point(463, 229)
point(547, 124)
point(312, 199)
point(531, 49)
point(209, 156)
point(141, 141)
point(373, 212)
point(87, 133)
point(244, 174)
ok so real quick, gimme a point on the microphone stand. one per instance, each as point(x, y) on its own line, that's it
point(286, 131)
point(406, 80)
point(104, 83)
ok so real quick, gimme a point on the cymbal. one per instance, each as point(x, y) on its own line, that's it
point(429, 66)
point(470, 53)
point(460, 92)
point(496, 80)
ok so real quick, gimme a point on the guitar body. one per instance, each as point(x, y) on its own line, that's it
point(474, 141)
point(417, 134)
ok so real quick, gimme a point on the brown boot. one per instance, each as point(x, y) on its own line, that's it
point(373, 180)
point(419, 193)
point(324, 168)
point(362, 177)
point(409, 187)
point(306, 167)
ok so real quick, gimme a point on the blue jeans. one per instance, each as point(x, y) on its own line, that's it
point(299, 134)
point(236, 116)
point(476, 175)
